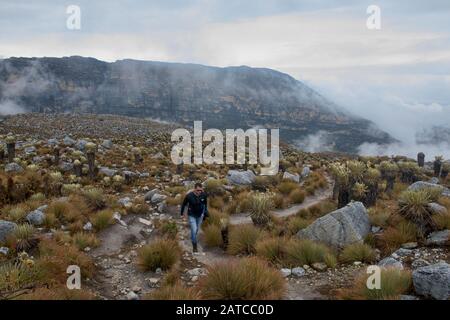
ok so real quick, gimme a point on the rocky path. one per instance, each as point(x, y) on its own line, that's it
point(119, 276)
point(319, 196)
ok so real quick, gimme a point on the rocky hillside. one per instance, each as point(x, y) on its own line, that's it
point(234, 97)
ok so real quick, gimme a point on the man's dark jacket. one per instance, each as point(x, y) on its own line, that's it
point(197, 205)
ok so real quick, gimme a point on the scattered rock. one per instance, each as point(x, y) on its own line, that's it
point(4, 250)
point(402, 252)
point(132, 296)
point(286, 272)
point(68, 141)
point(306, 172)
point(88, 226)
point(66, 166)
point(390, 262)
point(107, 171)
point(418, 263)
point(319, 266)
point(241, 177)
point(13, 167)
point(157, 198)
point(409, 245)
point(433, 281)
point(341, 227)
point(196, 272)
point(420, 185)
point(145, 221)
point(436, 208)
point(6, 228)
point(124, 201)
point(298, 272)
point(107, 144)
point(148, 196)
point(438, 238)
point(292, 177)
point(36, 217)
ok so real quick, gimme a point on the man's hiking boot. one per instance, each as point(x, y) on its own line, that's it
point(194, 247)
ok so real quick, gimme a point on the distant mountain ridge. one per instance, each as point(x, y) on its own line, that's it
point(232, 97)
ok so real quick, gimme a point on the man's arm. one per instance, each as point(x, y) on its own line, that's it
point(185, 202)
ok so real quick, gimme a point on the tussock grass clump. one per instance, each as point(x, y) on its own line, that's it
point(243, 238)
point(442, 221)
point(261, 205)
point(379, 217)
point(216, 202)
point(287, 186)
point(216, 218)
point(271, 249)
point(413, 205)
point(102, 219)
point(403, 232)
point(54, 259)
point(175, 292)
point(296, 223)
point(94, 198)
point(301, 252)
point(213, 187)
point(394, 282)
point(162, 254)
point(64, 211)
point(358, 252)
point(169, 229)
point(23, 237)
point(15, 276)
point(212, 236)
point(245, 279)
point(17, 213)
point(83, 240)
point(297, 196)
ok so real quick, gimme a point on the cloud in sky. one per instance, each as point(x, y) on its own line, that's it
point(398, 76)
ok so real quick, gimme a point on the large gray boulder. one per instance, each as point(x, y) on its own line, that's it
point(292, 177)
point(36, 217)
point(433, 281)
point(421, 185)
point(241, 177)
point(6, 228)
point(439, 238)
point(341, 227)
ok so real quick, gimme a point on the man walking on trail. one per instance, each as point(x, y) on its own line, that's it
point(197, 203)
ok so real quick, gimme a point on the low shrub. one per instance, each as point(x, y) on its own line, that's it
point(394, 282)
point(301, 252)
point(243, 238)
point(162, 254)
point(358, 252)
point(244, 279)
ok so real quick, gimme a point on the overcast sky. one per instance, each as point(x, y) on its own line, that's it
point(398, 76)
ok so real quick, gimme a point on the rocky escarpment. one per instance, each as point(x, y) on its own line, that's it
point(234, 97)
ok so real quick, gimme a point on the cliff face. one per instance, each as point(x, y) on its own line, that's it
point(234, 97)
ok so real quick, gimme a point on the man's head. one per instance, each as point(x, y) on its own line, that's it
point(198, 188)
